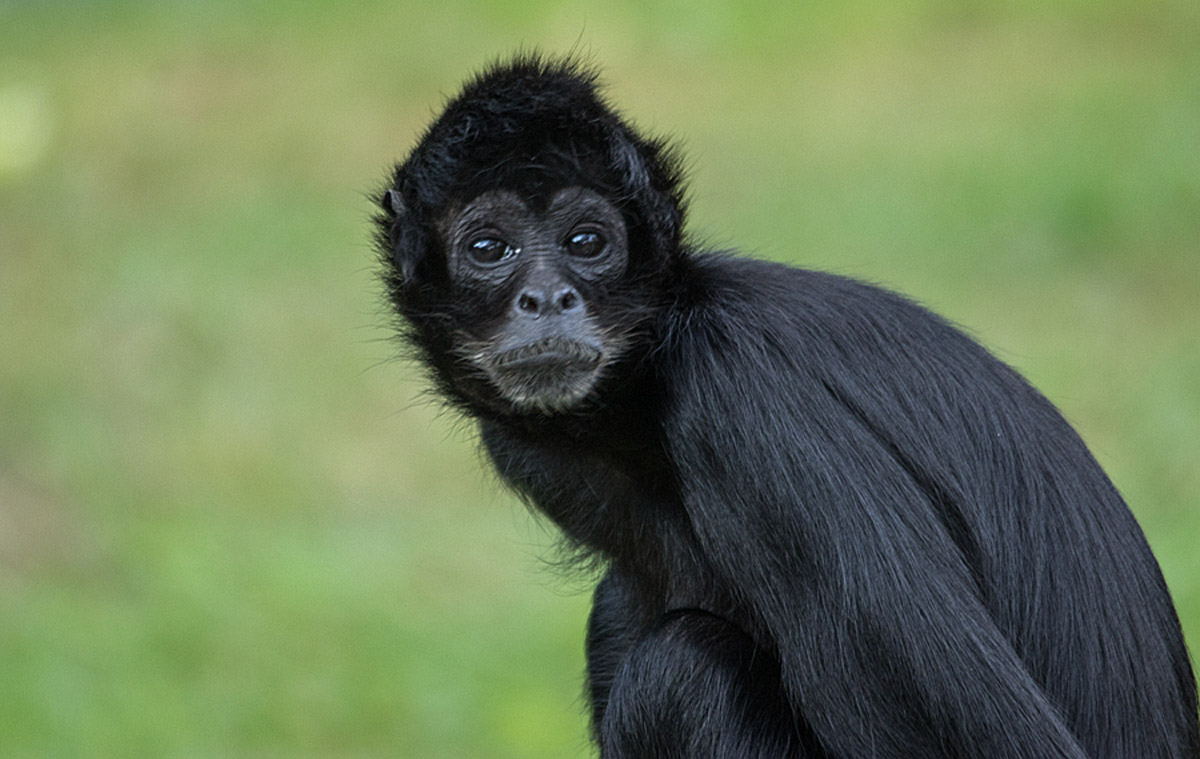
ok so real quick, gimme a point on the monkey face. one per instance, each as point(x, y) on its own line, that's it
point(532, 280)
point(532, 245)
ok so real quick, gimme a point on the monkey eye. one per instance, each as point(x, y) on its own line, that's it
point(489, 250)
point(585, 244)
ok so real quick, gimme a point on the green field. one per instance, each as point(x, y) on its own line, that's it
point(231, 524)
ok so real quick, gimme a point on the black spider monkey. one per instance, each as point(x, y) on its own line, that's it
point(833, 525)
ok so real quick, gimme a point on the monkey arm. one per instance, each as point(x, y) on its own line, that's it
point(687, 684)
point(842, 560)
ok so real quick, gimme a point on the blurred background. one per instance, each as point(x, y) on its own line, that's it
point(230, 523)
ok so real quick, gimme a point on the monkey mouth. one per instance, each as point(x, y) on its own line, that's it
point(548, 354)
point(549, 375)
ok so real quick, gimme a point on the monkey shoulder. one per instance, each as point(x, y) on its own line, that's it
point(761, 345)
point(765, 319)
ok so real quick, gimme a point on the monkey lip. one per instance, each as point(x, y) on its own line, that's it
point(548, 352)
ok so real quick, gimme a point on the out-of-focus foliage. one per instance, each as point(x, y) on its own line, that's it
point(231, 525)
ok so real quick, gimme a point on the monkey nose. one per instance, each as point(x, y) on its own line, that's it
point(536, 302)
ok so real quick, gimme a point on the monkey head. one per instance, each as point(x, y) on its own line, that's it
point(529, 240)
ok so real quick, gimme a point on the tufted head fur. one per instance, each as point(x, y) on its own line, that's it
point(531, 125)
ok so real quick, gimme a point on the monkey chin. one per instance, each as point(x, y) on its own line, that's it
point(548, 377)
point(550, 389)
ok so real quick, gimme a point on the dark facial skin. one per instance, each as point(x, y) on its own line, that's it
point(541, 273)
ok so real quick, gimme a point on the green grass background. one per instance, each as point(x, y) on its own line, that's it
point(230, 525)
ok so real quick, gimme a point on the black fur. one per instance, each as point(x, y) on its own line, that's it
point(834, 525)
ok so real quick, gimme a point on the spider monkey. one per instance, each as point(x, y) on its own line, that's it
point(832, 524)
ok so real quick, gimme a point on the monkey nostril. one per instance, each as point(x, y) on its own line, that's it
point(529, 303)
point(567, 299)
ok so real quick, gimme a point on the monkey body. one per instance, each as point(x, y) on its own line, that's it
point(834, 525)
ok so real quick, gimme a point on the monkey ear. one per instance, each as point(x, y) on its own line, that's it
point(402, 235)
point(629, 161)
point(392, 202)
point(639, 175)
